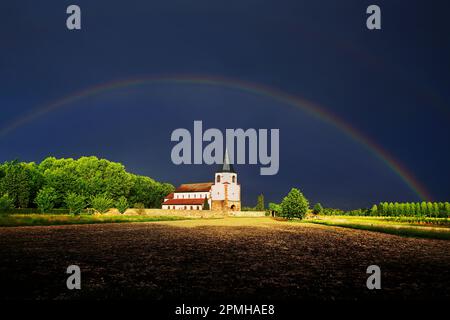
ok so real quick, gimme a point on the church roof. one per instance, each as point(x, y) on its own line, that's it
point(194, 187)
point(226, 165)
point(184, 201)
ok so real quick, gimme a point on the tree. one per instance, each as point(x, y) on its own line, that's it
point(6, 203)
point(390, 210)
point(101, 203)
point(122, 204)
point(140, 208)
point(317, 208)
point(260, 203)
point(275, 207)
point(408, 210)
point(447, 208)
point(374, 210)
point(206, 204)
point(436, 209)
point(294, 205)
point(45, 199)
point(75, 203)
point(16, 182)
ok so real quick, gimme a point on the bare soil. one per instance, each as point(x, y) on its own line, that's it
point(221, 259)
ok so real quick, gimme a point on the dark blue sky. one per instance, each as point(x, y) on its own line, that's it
point(392, 85)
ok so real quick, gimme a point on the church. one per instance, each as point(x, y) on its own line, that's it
point(224, 194)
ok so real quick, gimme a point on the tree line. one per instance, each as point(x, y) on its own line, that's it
point(75, 184)
point(413, 209)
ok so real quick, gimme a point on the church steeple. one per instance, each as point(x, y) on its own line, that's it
point(226, 165)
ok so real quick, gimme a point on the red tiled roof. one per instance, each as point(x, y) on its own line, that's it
point(194, 187)
point(184, 201)
point(169, 196)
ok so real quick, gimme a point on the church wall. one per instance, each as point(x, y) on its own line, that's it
point(218, 192)
point(191, 195)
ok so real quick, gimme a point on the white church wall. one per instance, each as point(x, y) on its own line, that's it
point(191, 195)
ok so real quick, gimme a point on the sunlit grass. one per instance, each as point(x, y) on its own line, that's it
point(402, 227)
point(16, 220)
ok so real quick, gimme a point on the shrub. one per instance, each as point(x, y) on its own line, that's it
point(6, 203)
point(206, 204)
point(294, 205)
point(122, 204)
point(140, 208)
point(275, 207)
point(45, 199)
point(374, 210)
point(101, 203)
point(317, 208)
point(260, 203)
point(75, 203)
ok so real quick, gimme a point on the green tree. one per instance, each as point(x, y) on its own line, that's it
point(16, 182)
point(122, 204)
point(391, 209)
point(75, 203)
point(101, 203)
point(45, 199)
point(408, 210)
point(6, 203)
point(260, 203)
point(206, 204)
point(275, 207)
point(447, 208)
point(429, 209)
point(294, 205)
point(317, 208)
point(139, 207)
point(436, 210)
point(374, 210)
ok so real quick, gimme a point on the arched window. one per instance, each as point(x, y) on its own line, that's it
point(185, 207)
point(218, 179)
point(192, 208)
point(233, 179)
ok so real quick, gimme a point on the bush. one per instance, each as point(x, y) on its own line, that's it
point(206, 204)
point(318, 209)
point(6, 203)
point(140, 208)
point(275, 207)
point(260, 203)
point(45, 199)
point(122, 204)
point(75, 203)
point(294, 205)
point(101, 203)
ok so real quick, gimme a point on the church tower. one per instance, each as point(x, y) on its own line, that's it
point(226, 191)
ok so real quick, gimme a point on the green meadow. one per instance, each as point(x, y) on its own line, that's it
point(433, 228)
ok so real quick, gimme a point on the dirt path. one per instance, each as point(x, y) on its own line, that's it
point(219, 259)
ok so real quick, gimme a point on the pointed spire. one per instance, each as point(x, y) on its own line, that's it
point(226, 165)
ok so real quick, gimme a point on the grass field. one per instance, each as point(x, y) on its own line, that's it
point(438, 229)
point(19, 220)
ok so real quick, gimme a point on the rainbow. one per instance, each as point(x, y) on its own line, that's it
point(253, 88)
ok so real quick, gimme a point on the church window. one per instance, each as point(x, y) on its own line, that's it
point(218, 178)
point(234, 179)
